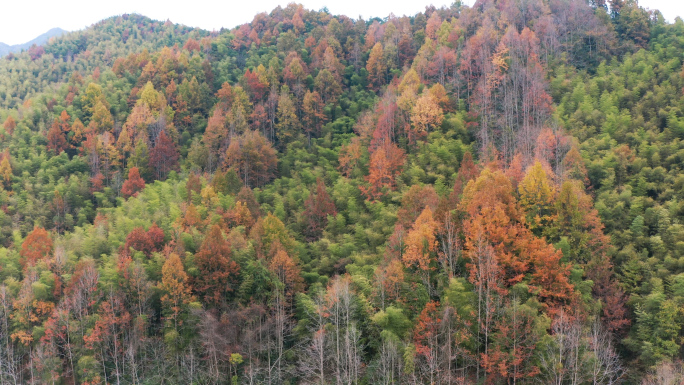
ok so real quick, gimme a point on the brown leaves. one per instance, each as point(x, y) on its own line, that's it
point(414, 201)
point(316, 210)
point(56, 138)
point(253, 157)
point(217, 271)
point(385, 164)
point(287, 271)
point(164, 155)
point(9, 125)
point(313, 113)
point(496, 226)
point(350, 156)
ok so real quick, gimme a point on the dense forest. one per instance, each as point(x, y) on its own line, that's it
point(471, 195)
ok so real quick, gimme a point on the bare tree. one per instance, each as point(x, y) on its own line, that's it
point(389, 364)
point(341, 307)
point(486, 276)
point(563, 361)
point(9, 359)
point(213, 343)
point(82, 292)
point(314, 360)
point(606, 367)
point(667, 373)
point(450, 247)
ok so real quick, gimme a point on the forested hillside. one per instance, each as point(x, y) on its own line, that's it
point(470, 195)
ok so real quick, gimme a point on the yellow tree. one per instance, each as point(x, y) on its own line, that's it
point(537, 197)
point(410, 81)
point(92, 97)
point(154, 100)
point(6, 170)
point(440, 96)
point(327, 86)
point(174, 285)
point(425, 115)
point(135, 127)
point(376, 67)
point(421, 244)
point(78, 132)
point(101, 119)
point(270, 230)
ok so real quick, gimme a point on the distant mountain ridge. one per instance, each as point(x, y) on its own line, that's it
point(42, 39)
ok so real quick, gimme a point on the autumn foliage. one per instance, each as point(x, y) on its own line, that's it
point(217, 271)
point(134, 184)
point(317, 209)
point(37, 246)
point(253, 157)
point(145, 241)
point(384, 166)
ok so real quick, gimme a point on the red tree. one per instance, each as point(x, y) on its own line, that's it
point(316, 210)
point(385, 165)
point(253, 85)
point(146, 241)
point(35, 247)
point(164, 156)
point(9, 125)
point(56, 139)
point(133, 184)
point(427, 338)
point(217, 271)
point(514, 343)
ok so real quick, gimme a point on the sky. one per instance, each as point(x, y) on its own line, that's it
point(21, 21)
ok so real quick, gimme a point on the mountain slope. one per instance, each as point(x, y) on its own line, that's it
point(4, 49)
point(40, 40)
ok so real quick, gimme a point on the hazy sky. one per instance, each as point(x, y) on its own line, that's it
point(22, 20)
